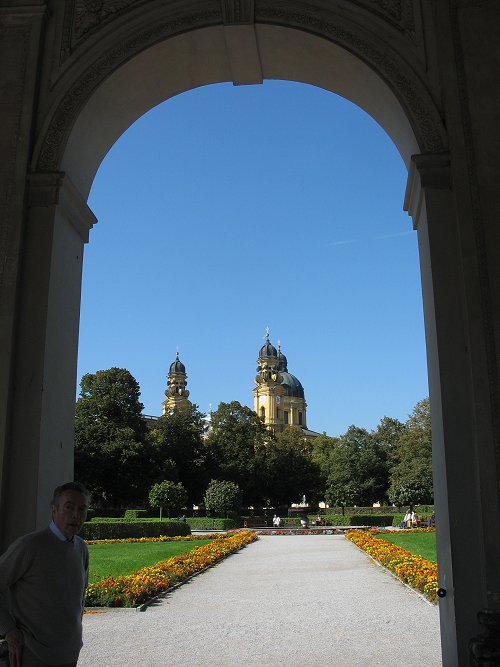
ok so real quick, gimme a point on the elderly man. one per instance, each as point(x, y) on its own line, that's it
point(43, 577)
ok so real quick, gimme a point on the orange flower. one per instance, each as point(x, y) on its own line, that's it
point(417, 572)
point(142, 585)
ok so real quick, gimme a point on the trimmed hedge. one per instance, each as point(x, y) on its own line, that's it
point(120, 529)
point(105, 512)
point(385, 509)
point(208, 523)
point(146, 517)
point(135, 514)
point(359, 519)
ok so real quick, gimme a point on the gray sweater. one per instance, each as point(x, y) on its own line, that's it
point(42, 587)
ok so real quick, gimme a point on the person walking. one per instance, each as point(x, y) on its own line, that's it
point(43, 577)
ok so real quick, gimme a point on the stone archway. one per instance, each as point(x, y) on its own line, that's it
point(90, 69)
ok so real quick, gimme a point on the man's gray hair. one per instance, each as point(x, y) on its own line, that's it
point(69, 486)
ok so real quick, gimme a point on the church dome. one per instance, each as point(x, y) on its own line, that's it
point(177, 366)
point(268, 350)
point(282, 361)
point(291, 385)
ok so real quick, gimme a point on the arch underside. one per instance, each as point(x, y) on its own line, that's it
point(130, 77)
point(98, 66)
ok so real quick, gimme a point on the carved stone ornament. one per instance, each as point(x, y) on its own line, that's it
point(79, 92)
point(237, 12)
point(422, 113)
point(399, 12)
point(485, 649)
point(390, 7)
point(474, 3)
point(13, 42)
point(83, 16)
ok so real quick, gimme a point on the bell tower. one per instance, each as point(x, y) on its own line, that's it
point(268, 392)
point(176, 392)
point(279, 396)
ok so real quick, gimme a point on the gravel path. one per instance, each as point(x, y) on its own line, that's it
point(299, 601)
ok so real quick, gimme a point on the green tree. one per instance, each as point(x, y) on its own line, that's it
point(342, 492)
point(388, 433)
point(409, 492)
point(111, 454)
point(222, 497)
point(291, 472)
point(342, 486)
point(167, 494)
point(178, 438)
point(411, 472)
point(358, 472)
point(235, 446)
point(322, 450)
point(111, 396)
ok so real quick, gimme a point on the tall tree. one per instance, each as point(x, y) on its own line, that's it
point(358, 469)
point(291, 472)
point(388, 433)
point(411, 473)
point(342, 487)
point(236, 448)
point(178, 437)
point(321, 453)
point(111, 396)
point(111, 454)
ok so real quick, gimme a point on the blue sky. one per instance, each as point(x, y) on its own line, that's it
point(228, 209)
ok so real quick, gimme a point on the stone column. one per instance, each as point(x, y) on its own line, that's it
point(463, 447)
point(42, 416)
point(21, 29)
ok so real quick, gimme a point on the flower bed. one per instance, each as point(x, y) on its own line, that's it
point(298, 531)
point(161, 538)
point(417, 572)
point(138, 587)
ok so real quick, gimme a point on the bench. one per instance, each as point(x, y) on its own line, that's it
point(248, 523)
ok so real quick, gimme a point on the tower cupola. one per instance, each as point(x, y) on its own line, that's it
point(177, 366)
point(282, 360)
point(278, 396)
point(268, 350)
point(176, 392)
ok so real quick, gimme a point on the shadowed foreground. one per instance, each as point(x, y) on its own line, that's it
point(308, 601)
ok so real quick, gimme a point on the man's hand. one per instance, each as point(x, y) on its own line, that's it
point(15, 642)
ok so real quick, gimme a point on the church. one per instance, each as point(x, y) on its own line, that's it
point(278, 396)
point(75, 74)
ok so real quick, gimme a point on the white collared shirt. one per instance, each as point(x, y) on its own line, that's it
point(58, 533)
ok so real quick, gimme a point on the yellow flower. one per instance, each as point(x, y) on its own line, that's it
point(139, 586)
point(418, 572)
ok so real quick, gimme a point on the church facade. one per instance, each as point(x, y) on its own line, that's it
point(278, 397)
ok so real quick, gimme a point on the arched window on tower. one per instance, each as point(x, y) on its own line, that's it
point(263, 412)
point(300, 418)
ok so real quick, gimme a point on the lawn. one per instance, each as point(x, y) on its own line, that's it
point(124, 558)
point(421, 544)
